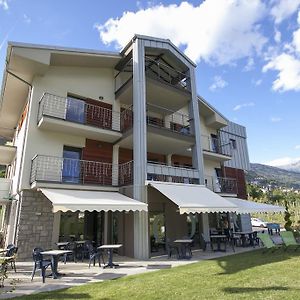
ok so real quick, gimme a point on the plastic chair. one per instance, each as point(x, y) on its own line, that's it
point(205, 242)
point(72, 247)
point(93, 254)
point(171, 248)
point(40, 263)
point(11, 253)
point(289, 240)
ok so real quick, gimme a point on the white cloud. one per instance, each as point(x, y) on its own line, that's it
point(275, 119)
point(297, 147)
point(217, 31)
point(250, 65)
point(257, 82)
point(243, 105)
point(219, 83)
point(4, 4)
point(277, 36)
point(283, 9)
point(288, 77)
point(282, 161)
point(26, 19)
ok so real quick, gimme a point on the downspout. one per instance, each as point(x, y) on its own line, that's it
point(24, 138)
point(22, 160)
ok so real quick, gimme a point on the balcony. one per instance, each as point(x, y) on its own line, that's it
point(215, 149)
point(160, 172)
point(58, 170)
point(167, 131)
point(74, 116)
point(4, 190)
point(163, 82)
point(7, 154)
point(159, 117)
point(221, 185)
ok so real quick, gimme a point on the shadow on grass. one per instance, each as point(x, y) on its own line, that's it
point(236, 263)
point(59, 294)
point(238, 290)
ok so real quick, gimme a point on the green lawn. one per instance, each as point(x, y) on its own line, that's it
point(244, 276)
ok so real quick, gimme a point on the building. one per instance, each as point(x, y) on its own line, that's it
point(112, 147)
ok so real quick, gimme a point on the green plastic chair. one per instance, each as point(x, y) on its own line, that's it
point(289, 240)
point(268, 243)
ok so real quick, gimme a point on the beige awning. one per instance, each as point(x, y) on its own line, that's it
point(73, 200)
point(193, 198)
point(246, 206)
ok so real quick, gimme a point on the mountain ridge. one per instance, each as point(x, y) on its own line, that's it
point(265, 175)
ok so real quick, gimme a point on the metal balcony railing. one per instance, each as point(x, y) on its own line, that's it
point(73, 171)
point(78, 111)
point(162, 172)
point(155, 69)
point(166, 119)
point(221, 184)
point(215, 145)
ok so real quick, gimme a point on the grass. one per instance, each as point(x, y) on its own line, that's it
point(251, 275)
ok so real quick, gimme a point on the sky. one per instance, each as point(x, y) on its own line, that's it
point(247, 53)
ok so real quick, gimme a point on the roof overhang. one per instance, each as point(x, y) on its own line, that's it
point(211, 116)
point(193, 198)
point(73, 200)
point(25, 61)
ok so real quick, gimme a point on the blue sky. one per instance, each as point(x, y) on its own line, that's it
point(247, 52)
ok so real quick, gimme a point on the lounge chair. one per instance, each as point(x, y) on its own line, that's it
point(268, 243)
point(289, 240)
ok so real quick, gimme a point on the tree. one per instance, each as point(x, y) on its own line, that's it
point(255, 192)
point(287, 217)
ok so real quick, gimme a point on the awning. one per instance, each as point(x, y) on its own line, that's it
point(72, 200)
point(193, 198)
point(246, 206)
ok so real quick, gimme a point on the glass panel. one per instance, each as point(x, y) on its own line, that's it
point(71, 226)
point(71, 166)
point(75, 110)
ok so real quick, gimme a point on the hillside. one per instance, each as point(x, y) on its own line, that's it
point(264, 175)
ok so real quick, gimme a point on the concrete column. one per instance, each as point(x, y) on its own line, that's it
point(169, 163)
point(105, 237)
point(116, 115)
point(205, 225)
point(195, 127)
point(115, 166)
point(56, 227)
point(141, 239)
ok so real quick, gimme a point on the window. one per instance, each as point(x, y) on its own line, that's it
point(233, 143)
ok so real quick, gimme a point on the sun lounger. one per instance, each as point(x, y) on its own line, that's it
point(289, 240)
point(268, 243)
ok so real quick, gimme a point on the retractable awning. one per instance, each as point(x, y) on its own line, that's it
point(193, 198)
point(72, 200)
point(246, 206)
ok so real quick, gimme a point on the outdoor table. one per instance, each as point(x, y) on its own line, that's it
point(219, 238)
point(55, 254)
point(61, 245)
point(110, 250)
point(184, 245)
point(243, 237)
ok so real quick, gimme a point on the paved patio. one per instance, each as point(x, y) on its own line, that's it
point(79, 273)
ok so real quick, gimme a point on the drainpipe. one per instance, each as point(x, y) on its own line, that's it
point(24, 139)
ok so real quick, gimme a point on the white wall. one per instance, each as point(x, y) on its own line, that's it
point(86, 82)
